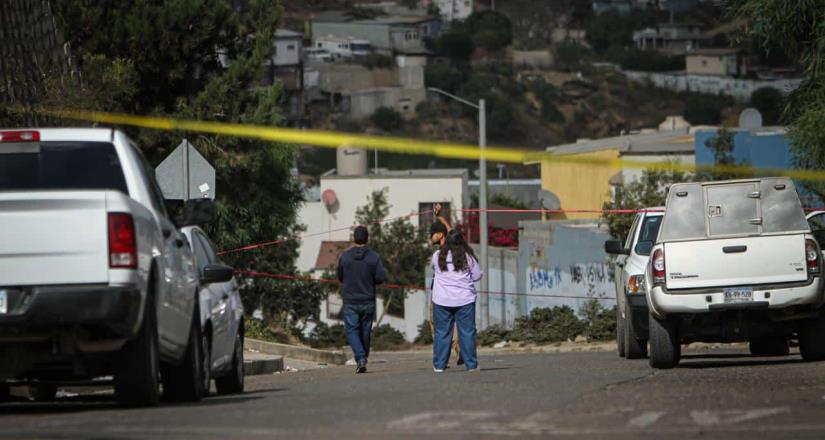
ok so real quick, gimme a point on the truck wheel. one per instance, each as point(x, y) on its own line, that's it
point(769, 346)
point(185, 382)
point(137, 366)
point(232, 383)
point(635, 347)
point(811, 343)
point(620, 330)
point(665, 347)
point(43, 393)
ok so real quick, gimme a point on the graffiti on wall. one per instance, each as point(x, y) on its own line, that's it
point(591, 279)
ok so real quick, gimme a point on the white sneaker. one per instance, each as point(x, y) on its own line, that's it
point(438, 370)
point(474, 370)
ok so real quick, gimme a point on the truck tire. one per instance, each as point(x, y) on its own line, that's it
point(811, 342)
point(620, 333)
point(232, 382)
point(635, 347)
point(185, 382)
point(138, 363)
point(774, 345)
point(665, 348)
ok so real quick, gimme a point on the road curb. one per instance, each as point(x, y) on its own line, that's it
point(257, 367)
point(295, 352)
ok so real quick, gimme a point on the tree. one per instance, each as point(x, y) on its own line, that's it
point(571, 55)
point(796, 28)
point(722, 147)
point(402, 247)
point(162, 59)
point(490, 30)
point(610, 29)
point(647, 192)
point(703, 109)
point(770, 103)
point(456, 44)
point(387, 119)
point(443, 76)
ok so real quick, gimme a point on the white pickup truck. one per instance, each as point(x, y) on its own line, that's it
point(735, 261)
point(95, 279)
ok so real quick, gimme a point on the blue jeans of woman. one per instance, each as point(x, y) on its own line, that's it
point(464, 318)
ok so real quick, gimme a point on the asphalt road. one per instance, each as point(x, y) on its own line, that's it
point(714, 394)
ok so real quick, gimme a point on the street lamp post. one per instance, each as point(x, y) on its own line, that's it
point(482, 199)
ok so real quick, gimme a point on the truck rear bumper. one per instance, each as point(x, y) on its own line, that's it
point(663, 303)
point(33, 308)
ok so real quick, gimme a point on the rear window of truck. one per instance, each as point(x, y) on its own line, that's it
point(62, 166)
point(730, 209)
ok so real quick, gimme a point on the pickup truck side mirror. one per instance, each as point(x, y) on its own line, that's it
point(198, 212)
point(615, 247)
point(216, 273)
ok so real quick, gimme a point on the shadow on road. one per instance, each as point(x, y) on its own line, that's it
point(733, 360)
point(82, 403)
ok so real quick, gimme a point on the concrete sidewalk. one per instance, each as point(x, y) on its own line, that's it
point(255, 364)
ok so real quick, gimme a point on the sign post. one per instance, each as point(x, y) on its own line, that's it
point(185, 173)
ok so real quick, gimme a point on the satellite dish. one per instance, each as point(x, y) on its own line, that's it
point(750, 118)
point(549, 200)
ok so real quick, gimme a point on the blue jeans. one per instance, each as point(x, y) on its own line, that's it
point(358, 322)
point(465, 319)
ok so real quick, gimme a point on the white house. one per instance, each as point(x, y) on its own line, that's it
point(453, 9)
point(286, 48)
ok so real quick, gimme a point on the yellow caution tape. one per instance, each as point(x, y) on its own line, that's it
point(408, 146)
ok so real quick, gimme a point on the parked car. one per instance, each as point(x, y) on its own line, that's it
point(221, 316)
point(631, 256)
point(735, 261)
point(93, 280)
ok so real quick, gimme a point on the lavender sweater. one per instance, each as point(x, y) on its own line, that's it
point(451, 288)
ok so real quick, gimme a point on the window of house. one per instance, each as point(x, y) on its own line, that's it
point(426, 219)
point(319, 44)
point(290, 47)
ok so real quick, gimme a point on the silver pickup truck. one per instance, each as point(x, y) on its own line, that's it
point(95, 278)
point(735, 261)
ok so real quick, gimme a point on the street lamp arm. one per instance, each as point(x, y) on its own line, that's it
point(450, 95)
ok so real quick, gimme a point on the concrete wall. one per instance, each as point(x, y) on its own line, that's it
point(533, 59)
point(404, 194)
point(740, 89)
point(364, 103)
point(377, 34)
point(337, 78)
point(564, 259)
point(579, 185)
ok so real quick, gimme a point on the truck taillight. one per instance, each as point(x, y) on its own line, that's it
point(19, 136)
point(658, 267)
point(122, 247)
point(812, 256)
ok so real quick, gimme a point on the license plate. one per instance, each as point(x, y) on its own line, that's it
point(4, 301)
point(738, 294)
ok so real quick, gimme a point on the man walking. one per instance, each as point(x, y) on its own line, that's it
point(359, 271)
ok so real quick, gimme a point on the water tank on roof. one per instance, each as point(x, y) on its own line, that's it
point(351, 161)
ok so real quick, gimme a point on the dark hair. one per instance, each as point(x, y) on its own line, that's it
point(360, 235)
point(460, 250)
point(437, 227)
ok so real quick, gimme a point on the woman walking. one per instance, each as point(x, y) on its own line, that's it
point(456, 270)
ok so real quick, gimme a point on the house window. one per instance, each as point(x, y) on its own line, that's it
point(319, 44)
point(425, 220)
point(290, 47)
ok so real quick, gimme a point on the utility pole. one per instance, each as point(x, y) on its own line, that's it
point(482, 205)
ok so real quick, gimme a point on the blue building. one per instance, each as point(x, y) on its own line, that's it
point(766, 147)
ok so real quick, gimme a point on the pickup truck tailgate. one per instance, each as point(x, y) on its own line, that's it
point(53, 237)
point(735, 261)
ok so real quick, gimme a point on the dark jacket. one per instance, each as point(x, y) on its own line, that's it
point(359, 271)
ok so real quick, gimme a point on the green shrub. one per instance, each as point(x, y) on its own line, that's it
point(326, 336)
point(348, 125)
point(545, 325)
point(491, 30)
point(387, 119)
point(426, 110)
point(443, 76)
point(571, 56)
point(257, 329)
point(493, 334)
point(703, 109)
point(600, 322)
point(425, 333)
point(384, 337)
point(646, 60)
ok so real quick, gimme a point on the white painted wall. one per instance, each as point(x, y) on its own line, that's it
point(415, 312)
point(455, 9)
point(404, 194)
point(286, 52)
point(631, 174)
point(740, 89)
